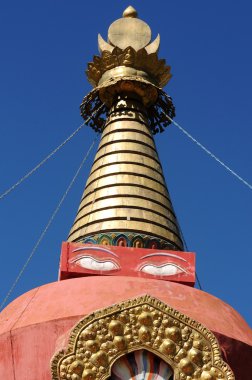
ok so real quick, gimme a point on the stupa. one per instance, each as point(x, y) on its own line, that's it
point(125, 306)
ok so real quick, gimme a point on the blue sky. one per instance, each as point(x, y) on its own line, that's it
point(45, 46)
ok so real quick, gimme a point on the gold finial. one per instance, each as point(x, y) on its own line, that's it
point(128, 52)
point(130, 12)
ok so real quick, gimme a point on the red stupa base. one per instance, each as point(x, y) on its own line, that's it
point(36, 325)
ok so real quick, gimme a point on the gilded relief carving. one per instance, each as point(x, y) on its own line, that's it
point(99, 339)
point(156, 68)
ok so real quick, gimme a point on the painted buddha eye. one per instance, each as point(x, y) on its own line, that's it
point(162, 270)
point(91, 263)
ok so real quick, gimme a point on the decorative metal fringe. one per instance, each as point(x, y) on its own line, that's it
point(159, 114)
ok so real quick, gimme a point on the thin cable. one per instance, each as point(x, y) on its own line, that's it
point(216, 159)
point(197, 278)
point(27, 175)
point(187, 249)
point(47, 226)
point(211, 154)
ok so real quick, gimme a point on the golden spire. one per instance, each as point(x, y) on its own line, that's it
point(130, 12)
point(126, 201)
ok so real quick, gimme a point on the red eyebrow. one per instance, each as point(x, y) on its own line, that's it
point(94, 249)
point(163, 254)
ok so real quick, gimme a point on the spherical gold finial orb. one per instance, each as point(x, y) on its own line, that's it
point(130, 12)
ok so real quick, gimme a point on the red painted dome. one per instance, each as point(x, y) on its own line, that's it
point(36, 324)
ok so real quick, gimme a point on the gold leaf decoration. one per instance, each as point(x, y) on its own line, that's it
point(99, 339)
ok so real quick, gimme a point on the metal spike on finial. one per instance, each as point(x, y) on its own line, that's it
point(130, 12)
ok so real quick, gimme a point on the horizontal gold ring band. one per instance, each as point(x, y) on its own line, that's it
point(133, 169)
point(124, 202)
point(118, 188)
point(141, 132)
point(130, 125)
point(132, 157)
point(132, 147)
point(128, 214)
point(126, 179)
point(111, 156)
point(79, 221)
point(125, 142)
point(125, 175)
point(126, 191)
point(127, 136)
point(139, 167)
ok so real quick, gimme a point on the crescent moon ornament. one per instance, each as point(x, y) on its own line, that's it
point(103, 45)
point(153, 47)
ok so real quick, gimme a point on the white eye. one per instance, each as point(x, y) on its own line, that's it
point(162, 270)
point(89, 262)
